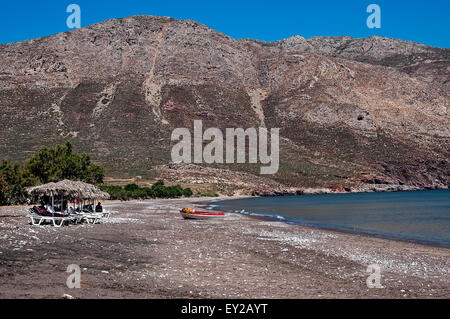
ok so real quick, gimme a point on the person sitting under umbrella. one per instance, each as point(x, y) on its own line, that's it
point(99, 208)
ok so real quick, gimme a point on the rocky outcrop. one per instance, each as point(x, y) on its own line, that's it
point(222, 180)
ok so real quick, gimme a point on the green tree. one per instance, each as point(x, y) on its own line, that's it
point(160, 192)
point(158, 183)
point(149, 192)
point(187, 192)
point(3, 189)
point(174, 191)
point(13, 183)
point(52, 164)
point(131, 187)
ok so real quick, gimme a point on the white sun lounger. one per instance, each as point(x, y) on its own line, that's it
point(92, 218)
point(38, 220)
point(106, 214)
point(76, 216)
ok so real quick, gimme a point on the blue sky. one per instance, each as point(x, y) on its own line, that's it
point(423, 21)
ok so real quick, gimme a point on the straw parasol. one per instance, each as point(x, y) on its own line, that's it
point(68, 188)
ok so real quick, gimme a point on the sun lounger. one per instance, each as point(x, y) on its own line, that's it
point(106, 214)
point(92, 218)
point(38, 220)
point(40, 217)
point(76, 216)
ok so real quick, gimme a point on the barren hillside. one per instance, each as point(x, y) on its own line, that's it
point(351, 111)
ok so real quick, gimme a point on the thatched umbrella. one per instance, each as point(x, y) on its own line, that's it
point(89, 191)
point(68, 188)
point(51, 189)
point(102, 195)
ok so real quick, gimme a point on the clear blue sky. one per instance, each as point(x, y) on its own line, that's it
point(423, 21)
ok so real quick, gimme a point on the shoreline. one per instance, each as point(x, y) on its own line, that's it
point(146, 250)
point(369, 188)
point(203, 203)
point(275, 218)
point(345, 231)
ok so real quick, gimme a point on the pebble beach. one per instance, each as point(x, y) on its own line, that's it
point(146, 250)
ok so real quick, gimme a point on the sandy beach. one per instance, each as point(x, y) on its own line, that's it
point(146, 250)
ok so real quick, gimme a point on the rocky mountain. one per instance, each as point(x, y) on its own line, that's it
point(351, 112)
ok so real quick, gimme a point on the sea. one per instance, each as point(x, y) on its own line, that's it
point(416, 216)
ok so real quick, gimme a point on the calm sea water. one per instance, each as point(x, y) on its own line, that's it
point(422, 216)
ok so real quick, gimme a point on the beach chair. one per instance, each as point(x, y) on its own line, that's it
point(61, 221)
point(105, 213)
point(77, 217)
point(92, 218)
point(38, 218)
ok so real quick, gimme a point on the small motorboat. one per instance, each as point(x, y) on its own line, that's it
point(189, 213)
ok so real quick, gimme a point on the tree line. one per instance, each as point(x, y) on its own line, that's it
point(50, 164)
point(157, 190)
point(53, 164)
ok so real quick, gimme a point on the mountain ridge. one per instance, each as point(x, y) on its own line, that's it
point(118, 88)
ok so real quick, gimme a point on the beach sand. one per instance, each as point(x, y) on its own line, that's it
point(146, 250)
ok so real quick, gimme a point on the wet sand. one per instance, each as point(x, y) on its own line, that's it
point(146, 250)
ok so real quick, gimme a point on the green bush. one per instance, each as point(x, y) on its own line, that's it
point(131, 187)
point(158, 184)
point(187, 192)
point(149, 192)
point(158, 190)
point(174, 191)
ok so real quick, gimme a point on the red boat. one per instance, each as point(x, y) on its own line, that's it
point(188, 213)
